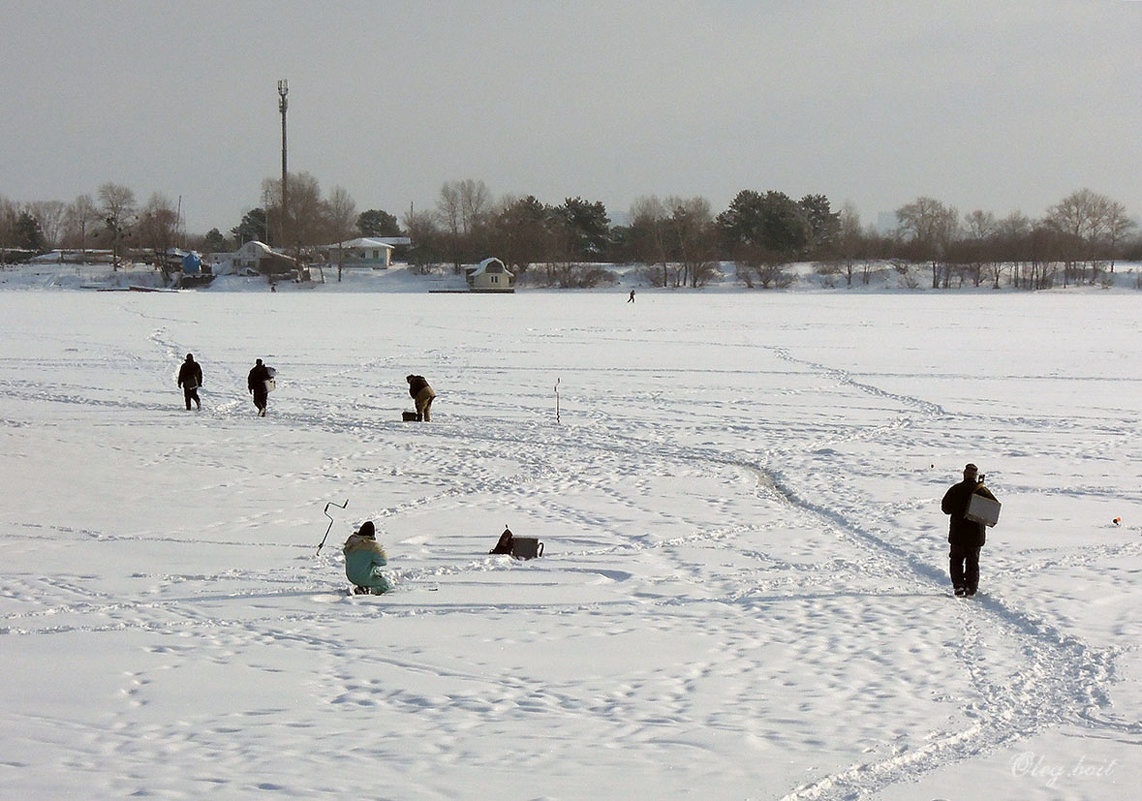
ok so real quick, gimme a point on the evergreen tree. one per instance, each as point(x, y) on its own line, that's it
point(252, 227)
point(520, 233)
point(214, 241)
point(377, 222)
point(29, 235)
point(760, 228)
point(824, 224)
point(586, 226)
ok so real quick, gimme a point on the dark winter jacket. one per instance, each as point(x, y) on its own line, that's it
point(190, 374)
point(256, 381)
point(961, 531)
point(416, 383)
point(505, 543)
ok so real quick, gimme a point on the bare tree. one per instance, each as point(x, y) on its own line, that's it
point(693, 239)
point(648, 237)
point(928, 228)
point(1042, 249)
point(1118, 227)
point(1010, 236)
point(850, 242)
point(342, 219)
point(308, 213)
point(426, 237)
point(979, 230)
point(50, 215)
point(475, 202)
point(1093, 225)
point(80, 217)
point(117, 205)
point(448, 211)
point(157, 230)
point(272, 204)
point(1078, 217)
point(9, 212)
point(463, 209)
point(307, 218)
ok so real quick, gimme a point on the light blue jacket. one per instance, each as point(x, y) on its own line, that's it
point(364, 559)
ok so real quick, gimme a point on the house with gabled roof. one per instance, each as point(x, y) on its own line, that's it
point(373, 252)
point(255, 256)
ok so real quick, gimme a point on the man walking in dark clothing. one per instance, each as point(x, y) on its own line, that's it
point(966, 537)
point(258, 384)
point(190, 379)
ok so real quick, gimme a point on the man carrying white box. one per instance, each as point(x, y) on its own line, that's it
point(967, 530)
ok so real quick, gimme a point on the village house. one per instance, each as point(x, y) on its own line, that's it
point(373, 252)
point(491, 276)
point(254, 257)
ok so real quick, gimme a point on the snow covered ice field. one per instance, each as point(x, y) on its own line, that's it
point(744, 590)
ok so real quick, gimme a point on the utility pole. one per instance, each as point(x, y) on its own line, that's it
point(283, 104)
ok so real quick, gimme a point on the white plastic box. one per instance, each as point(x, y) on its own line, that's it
point(983, 510)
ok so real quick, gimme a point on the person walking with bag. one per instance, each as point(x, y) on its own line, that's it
point(258, 383)
point(190, 379)
point(966, 537)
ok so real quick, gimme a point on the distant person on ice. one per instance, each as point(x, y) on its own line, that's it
point(190, 379)
point(256, 382)
point(364, 558)
point(966, 537)
point(422, 395)
point(631, 298)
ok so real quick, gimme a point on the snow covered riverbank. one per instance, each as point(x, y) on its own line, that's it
point(743, 593)
point(866, 277)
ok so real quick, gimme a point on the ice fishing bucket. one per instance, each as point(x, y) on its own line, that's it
point(526, 547)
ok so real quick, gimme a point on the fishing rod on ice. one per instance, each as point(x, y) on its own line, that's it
point(330, 528)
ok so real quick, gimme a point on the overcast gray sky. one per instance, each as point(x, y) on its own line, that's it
point(999, 105)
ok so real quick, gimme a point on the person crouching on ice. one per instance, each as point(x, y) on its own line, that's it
point(422, 395)
point(505, 543)
point(364, 558)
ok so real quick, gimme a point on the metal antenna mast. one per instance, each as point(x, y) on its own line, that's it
point(283, 104)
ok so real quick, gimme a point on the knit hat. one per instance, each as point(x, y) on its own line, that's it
point(368, 530)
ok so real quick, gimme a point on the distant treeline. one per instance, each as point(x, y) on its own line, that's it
point(681, 241)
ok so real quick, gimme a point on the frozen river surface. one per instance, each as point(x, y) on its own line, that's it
point(744, 590)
